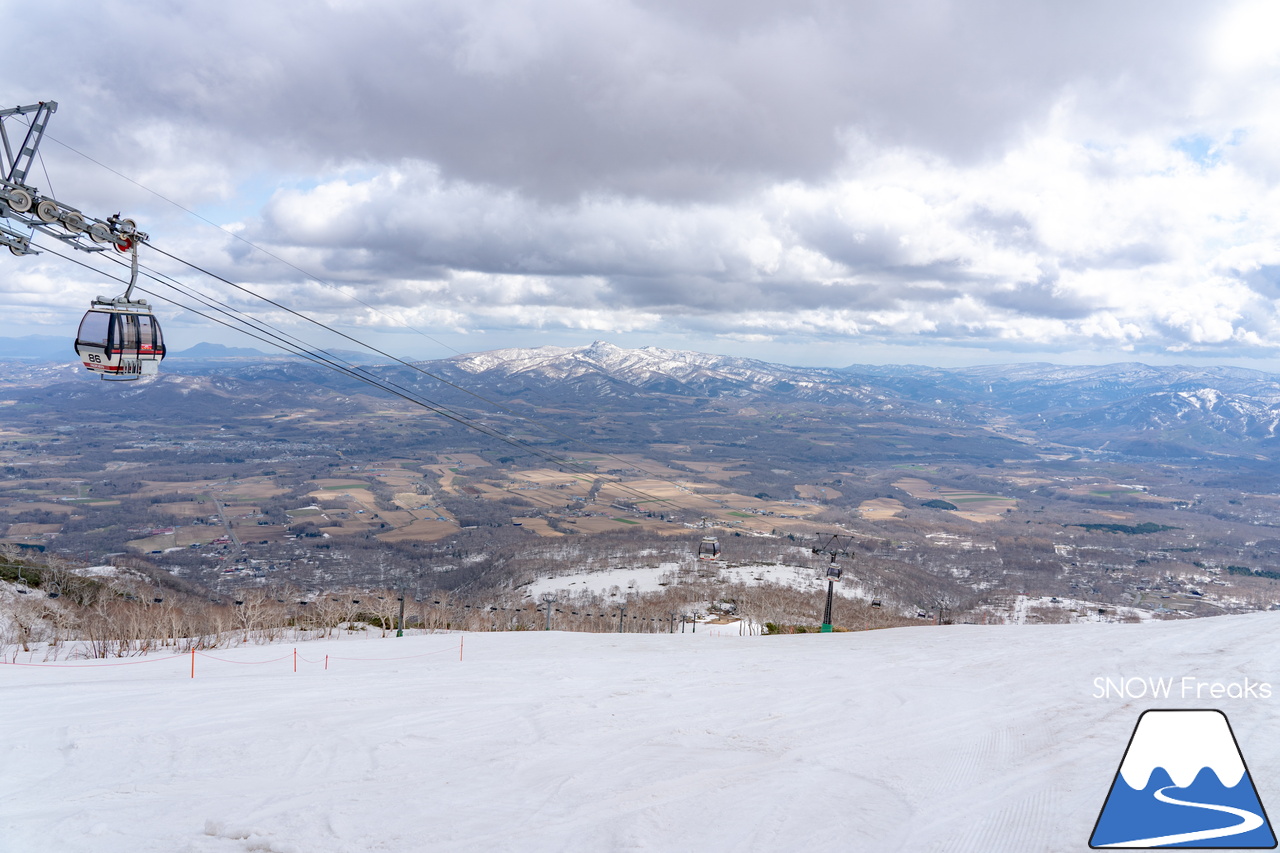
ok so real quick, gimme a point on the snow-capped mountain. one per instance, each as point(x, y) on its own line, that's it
point(1040, 387)
point(608, 370)
point(1234, 414)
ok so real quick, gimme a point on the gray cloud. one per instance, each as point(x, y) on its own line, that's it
point(659, 99)
point(1041, 299)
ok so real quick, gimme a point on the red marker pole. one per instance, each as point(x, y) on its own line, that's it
point(326, 662)
point(295, 660)
point(193, 663)
point(460, 640)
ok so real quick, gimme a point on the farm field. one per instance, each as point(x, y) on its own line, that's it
point(971, 505)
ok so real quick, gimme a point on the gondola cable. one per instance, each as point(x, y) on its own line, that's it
point(265, 332)
point(411, 365)
point(315, 356)
point(281, 340)
point(547, 427)
point(120, 338)
point(246, 241)
point(709, 547)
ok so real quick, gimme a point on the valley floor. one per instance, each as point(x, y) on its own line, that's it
point(955, 738)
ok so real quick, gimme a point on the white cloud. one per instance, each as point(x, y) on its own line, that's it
point(1061, 240)
point(1245, 39)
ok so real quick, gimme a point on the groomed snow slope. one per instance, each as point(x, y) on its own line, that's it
point(958, 738)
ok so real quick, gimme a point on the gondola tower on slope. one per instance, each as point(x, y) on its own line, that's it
point(118, 338)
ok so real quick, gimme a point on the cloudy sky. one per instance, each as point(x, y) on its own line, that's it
point(810, 182)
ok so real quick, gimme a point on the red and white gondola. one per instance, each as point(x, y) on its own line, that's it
point(120, 339)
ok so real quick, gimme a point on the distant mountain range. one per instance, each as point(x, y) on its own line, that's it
point(207, 350)
point(1229, 400)
point(38, 348)
point(1128, 408)
point(1131, 408)
point(605, 370)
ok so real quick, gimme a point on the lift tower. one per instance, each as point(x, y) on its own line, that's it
point(835, 545)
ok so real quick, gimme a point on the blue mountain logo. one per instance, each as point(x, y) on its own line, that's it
point(1183, 783)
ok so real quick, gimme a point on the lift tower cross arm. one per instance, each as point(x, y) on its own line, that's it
point(27, 207)
point(16, 167)
point(834, 545)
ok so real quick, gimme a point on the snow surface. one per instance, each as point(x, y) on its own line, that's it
point(648, 579)
point(952, 738)
point(1077, 609)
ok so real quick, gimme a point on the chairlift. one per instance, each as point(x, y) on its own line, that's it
point(709, 548)
point(875, 602)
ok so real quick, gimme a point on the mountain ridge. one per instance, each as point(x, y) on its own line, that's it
point(1126, 407)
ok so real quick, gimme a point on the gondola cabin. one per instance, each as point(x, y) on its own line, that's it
point(709, 548)
point(120, 339)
